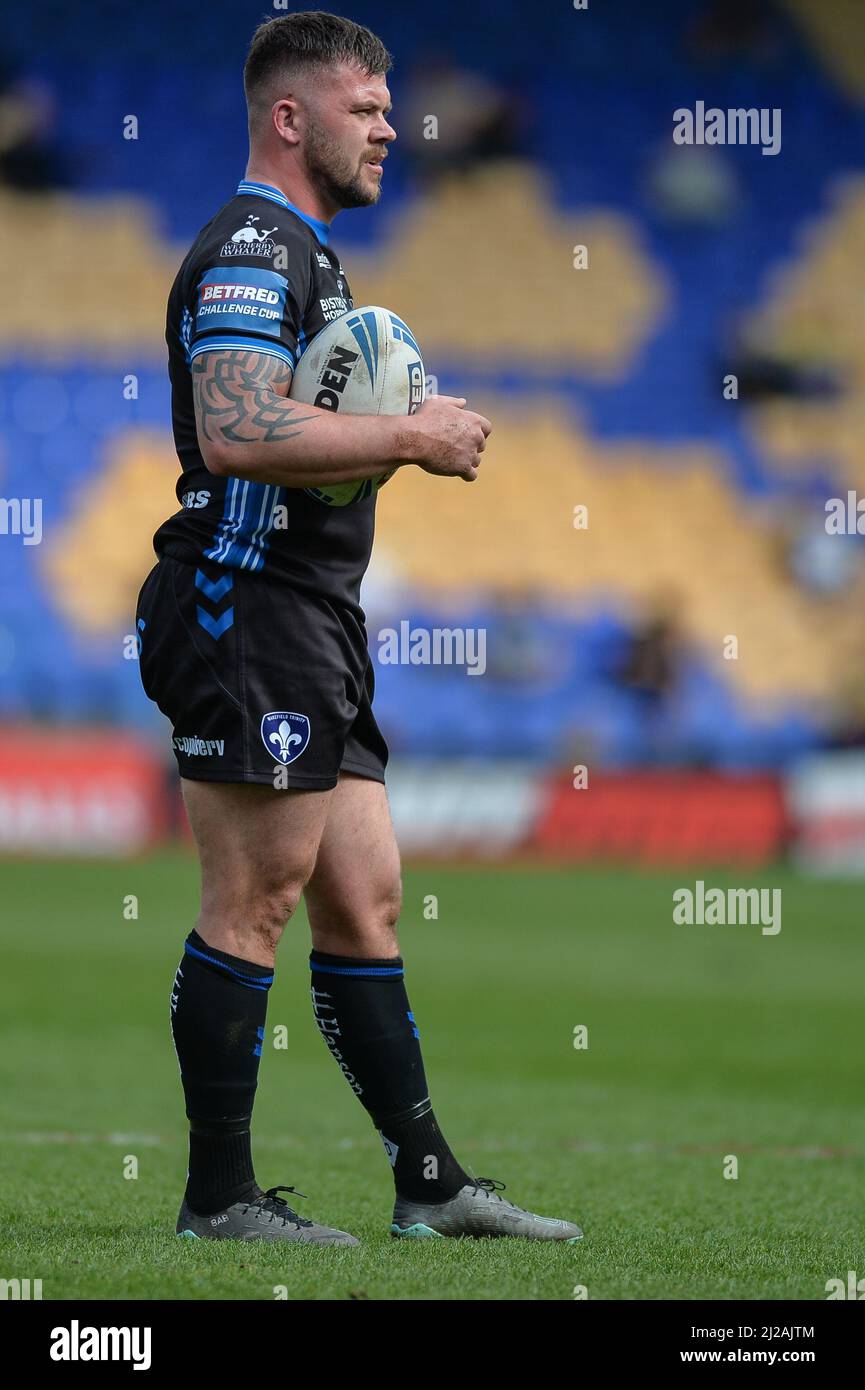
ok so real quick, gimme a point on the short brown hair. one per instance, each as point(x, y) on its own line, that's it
point(311, 38)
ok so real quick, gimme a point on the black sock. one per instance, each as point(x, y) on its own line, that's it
point(363, 1014)
point(218, 1008)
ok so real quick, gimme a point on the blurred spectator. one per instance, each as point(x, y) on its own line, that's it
point(846, 727)
point(735, 31)
point(801, 370)
point(518, 653)
point(650, 672)
point(454, 119)
point(29, 158)
point(822, 564)
point(692, 186)
point(651, 662)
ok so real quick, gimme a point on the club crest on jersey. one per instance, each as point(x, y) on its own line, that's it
point(285, 735)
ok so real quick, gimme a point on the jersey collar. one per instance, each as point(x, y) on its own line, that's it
point(266, 190)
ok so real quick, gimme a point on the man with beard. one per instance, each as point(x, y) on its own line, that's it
point(251, 635)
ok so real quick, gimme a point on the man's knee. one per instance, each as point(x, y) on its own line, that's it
point(361, 922)
point(272, 904)
point(389, 905)
point(259, 908)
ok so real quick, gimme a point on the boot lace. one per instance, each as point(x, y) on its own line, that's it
point(269, 1203)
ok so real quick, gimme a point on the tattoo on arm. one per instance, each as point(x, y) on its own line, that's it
point(239, 398)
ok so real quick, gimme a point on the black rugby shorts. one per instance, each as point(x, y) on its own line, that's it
point(261, 683)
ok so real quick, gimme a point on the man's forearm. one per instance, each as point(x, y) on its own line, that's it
point(314, 449)
point(246, 428)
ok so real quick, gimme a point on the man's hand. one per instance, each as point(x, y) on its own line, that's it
point(444, 438)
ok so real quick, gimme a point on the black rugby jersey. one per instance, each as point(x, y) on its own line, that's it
point(259, 276)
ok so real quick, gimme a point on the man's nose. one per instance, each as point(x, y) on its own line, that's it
point(383, 132)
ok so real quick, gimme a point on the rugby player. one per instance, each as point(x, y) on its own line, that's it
point(252, 642)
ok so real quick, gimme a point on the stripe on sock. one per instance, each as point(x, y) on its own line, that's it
point(364, 972)
point(262, 982)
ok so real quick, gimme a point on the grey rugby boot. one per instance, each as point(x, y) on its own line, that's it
point(477, 1210)
point(264, 1217)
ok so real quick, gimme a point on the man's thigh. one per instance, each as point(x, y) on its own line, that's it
point(353, 896)
point(257, 848)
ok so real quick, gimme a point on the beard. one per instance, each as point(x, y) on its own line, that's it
point(331, 171)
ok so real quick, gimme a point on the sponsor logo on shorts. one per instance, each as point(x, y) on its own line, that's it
point(195, 747)
point(285, 735)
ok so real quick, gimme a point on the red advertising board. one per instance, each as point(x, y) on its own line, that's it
point(664, 817)
point(98, 791)
point(78, 792)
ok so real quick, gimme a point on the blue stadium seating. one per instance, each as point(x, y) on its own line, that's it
point(599, 86)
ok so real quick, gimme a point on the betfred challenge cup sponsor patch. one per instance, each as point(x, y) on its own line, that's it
point(241, 297)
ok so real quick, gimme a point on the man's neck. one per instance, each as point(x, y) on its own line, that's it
point(298, 192)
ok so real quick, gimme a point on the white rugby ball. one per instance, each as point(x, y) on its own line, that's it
point(366, 362)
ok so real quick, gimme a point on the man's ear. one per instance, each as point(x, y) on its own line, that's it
point(285, 117)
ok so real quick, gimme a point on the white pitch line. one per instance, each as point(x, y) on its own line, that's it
point(118, 1139)
point(47, 1136)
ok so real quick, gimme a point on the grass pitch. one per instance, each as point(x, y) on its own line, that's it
point(703, 1043)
